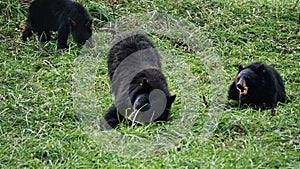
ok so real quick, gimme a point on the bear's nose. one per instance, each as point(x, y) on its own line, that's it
point(142, 103)
point(240, 86)
point(143, 107)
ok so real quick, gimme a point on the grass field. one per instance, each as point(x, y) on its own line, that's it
point(39, 113)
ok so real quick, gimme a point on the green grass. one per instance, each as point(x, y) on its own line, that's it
point(40, 126)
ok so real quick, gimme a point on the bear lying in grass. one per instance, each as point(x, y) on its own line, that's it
point(140, 89)
point(258, 85)
point(64, 16)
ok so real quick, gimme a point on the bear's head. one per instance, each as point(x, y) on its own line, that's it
point(250, 79)
point(141, 100)
point(81, 31)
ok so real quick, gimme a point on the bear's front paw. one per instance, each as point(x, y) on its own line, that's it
point(108, 124)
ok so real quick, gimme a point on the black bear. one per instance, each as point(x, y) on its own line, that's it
point(258, 85)
point(64, 16)
point(140, 89)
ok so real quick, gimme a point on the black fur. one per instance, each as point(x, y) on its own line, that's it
point(65, 16)
point(142, 83)
point(258, 85)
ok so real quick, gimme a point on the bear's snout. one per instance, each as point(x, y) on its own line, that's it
point(242, 87)
point(142, 103)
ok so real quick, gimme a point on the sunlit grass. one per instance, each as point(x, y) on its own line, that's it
point(39, 126)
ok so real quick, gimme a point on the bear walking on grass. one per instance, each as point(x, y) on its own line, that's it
point(258, 85)
point(64, 16)
point(140, 89)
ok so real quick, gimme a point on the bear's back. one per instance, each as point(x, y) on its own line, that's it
point(124, 45)
point(48, 15)
point(275, 81)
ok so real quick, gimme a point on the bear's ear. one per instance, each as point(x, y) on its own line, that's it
point(89, 23)
point(240, 68)
point(72, 22)
point(261, 68)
